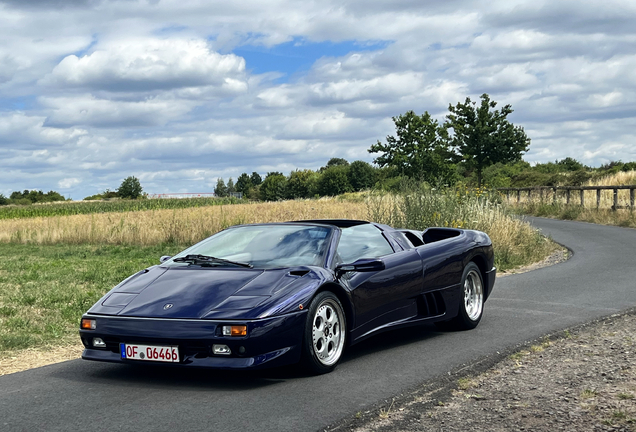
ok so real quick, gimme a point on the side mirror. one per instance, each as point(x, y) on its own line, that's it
point(164, 258)
point(362, 265)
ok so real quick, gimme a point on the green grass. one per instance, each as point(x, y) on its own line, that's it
point(88, 207)
point(44, 290)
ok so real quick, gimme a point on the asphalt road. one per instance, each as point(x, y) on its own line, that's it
point(600, 279)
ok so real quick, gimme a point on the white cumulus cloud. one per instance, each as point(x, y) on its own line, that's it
point(68, 183)
point(149, 64)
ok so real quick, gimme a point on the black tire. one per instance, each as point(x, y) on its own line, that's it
point(325, 334)
point(471, 303)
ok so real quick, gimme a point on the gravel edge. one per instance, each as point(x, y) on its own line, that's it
point(421, 408)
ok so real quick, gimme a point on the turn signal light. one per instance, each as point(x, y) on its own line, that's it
point(235, 330)
point(88, 324)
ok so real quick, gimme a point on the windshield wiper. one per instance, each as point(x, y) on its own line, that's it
point(205, 259)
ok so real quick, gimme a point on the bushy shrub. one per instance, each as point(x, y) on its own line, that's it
point(334, 181)
point(106, 195)
point(301, 184)
point(419, 207)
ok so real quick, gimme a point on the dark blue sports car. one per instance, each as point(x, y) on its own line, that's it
point(272, 294)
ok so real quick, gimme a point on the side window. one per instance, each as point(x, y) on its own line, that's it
point(361, 241)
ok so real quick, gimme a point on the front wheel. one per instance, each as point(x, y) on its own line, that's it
point(325, 333)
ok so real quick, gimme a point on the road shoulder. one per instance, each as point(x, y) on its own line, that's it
point(583, 378)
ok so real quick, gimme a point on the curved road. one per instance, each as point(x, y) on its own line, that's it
point(599, 280)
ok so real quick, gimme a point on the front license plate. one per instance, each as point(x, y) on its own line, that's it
point(168, 354)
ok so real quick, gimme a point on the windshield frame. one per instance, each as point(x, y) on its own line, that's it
point(325, 250)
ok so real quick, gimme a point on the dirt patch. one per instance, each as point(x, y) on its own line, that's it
point(584, 380)
point(559, 255)
point(18, 361)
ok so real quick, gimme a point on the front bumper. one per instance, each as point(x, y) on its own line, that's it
point(269, 342)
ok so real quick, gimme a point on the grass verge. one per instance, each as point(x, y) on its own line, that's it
point(44, 290)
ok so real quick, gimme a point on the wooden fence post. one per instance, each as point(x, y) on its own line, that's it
point(615, 206)
point(598, 198)
point(554, 196)
point(582, 192)
point(631, 198)
point(567, 196)
point(518, 196)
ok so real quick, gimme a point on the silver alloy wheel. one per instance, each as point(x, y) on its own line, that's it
point(327, 332)
point(473, 295)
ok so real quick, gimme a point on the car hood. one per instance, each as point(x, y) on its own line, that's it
point(187, 292)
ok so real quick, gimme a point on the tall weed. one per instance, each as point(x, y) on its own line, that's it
point(515, 241)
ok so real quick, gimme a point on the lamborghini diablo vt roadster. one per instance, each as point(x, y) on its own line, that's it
point(271, 294)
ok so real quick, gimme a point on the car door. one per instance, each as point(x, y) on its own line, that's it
point(384, 296)
point(443, 263)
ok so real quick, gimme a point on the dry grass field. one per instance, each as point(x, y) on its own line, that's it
point(618, 179)
point(516, 242)
point(180, 226)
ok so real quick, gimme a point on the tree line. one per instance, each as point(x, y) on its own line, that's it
point(338, 176)
point(130, 188)
point(474, 137)
point(30, 197)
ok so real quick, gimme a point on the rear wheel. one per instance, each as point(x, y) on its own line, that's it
point(325, 333)
point(471, 305)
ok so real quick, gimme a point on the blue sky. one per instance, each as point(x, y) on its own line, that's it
point(297, 56)
point(182, 92)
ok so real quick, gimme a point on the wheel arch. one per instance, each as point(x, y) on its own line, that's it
point(482, 263)
point(345, 300)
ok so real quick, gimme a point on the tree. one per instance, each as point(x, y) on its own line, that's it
point(420, 149)
point(570, 164)
point(230, 187)
point(3, 200)
point(361, 175)
point(53, 196)
point(130, 188)
point(484, 137)
point(256, 178)
point(301, 184)
point(220, 190)
point(243, 184)
point(334, 162)
point(273, 187)
point(334, 181)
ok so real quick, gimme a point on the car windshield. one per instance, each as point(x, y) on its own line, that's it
point(262, 246)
